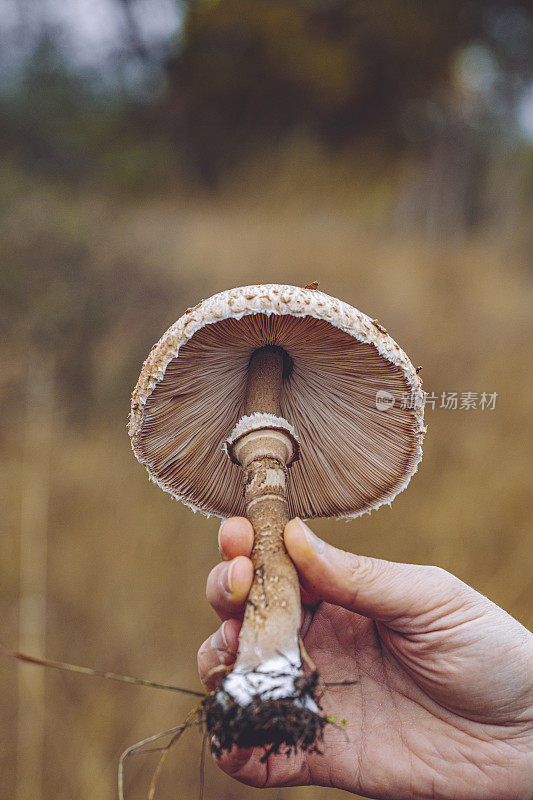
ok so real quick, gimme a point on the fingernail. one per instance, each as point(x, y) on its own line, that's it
point(313, 541)
point(219, 534)
point(218, 639)
point(229, 575)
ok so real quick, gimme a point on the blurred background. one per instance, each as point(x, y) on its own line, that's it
point(155, 152)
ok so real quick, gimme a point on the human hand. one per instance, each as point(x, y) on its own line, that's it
point(443, 704)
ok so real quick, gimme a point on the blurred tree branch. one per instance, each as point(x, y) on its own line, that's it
point(247, 74)
point(134, 33)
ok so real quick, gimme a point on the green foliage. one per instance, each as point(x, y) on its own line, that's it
point(245, 77)
point(64, 124)
point(248, 74)
point(62, 296)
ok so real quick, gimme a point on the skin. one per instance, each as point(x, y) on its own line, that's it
point(443, 706)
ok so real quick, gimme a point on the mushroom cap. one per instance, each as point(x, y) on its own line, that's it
point(353, 397)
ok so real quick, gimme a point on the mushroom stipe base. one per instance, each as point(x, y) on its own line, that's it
point(284, 725)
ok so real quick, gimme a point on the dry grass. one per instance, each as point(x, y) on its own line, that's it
point(126, 565)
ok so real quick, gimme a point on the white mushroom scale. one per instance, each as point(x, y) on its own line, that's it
point(274, 401)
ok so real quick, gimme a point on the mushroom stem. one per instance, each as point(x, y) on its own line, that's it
point(267, 700)
point(269, 635)
point(263, 383)
point(268, 662)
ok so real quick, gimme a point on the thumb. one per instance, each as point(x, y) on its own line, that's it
point(396, 594)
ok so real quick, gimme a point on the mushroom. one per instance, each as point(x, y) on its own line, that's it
point(273, 401)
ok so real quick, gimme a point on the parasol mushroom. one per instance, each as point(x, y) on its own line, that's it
point(301, 399)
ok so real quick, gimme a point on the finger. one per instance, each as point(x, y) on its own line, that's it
point(307, 618)
point(218, 652)
point(235, 762)
point(382, 590)
point(235, 538)
point(228, 585)
point(249, 767)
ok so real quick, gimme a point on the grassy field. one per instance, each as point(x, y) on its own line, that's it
point(126, 565)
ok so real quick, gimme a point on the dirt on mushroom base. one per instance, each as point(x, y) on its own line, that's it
point(281, 725)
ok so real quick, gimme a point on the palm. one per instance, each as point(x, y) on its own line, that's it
point(399, 731)
point(443, 694)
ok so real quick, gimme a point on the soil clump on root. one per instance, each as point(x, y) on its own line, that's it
point(281, 725)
